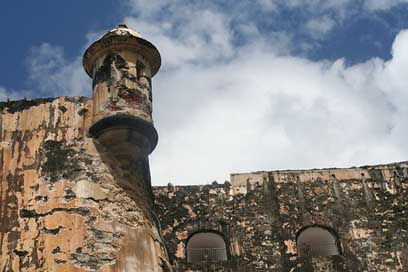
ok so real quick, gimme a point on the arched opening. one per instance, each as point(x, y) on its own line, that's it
point(316, 241)
point(206, 246)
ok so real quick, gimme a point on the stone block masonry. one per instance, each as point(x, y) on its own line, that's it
point(261, 214)
point(66, 204)
point(75, 190)
point(76, 195)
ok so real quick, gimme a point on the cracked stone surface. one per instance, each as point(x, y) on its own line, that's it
point(260, 214)
point(65, 203)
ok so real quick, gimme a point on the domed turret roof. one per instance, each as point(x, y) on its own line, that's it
point(120, 38)
point(123, 30)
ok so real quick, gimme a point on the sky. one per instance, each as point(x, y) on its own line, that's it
point(245, 85)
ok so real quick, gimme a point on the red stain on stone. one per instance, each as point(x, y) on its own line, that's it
point(132, 96)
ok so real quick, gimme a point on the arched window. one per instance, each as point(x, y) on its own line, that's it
point(206, 246)
point(316, 241)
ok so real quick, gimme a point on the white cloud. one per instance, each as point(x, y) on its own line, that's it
point(321, 17)
point(318, 27)
point(268, 5)
point(334, 5)
point(7, 94)
point(10, 94)
point(191, 32)
point(224, 104)
point(383, 4)
point(3, 94)
point(265, 111)
point(222, 108)
point(51, 74)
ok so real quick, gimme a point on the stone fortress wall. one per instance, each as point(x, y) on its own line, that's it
point(76, 195)
point(75, 190)
point(66, 204)
point(260, 215)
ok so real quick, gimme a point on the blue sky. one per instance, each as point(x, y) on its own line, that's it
point(244, 86)
point(367, 34)
point(27, 24)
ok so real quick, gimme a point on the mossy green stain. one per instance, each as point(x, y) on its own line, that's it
point(59, 161)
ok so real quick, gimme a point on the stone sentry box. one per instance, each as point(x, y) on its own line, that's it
point(75, 191)
point(121, 64)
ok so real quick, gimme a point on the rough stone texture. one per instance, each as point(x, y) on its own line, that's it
point(72, 202)
point(65, 203)
point(122, 86)
point(120, 64)
point(260, 215)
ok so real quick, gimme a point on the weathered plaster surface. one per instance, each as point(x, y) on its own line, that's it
point(65, 203)
point(261, 213)
point(122, 86)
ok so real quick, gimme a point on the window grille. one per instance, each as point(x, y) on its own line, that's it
point(206, 246)
point(317, 241)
